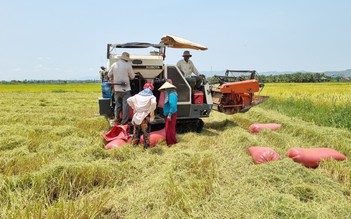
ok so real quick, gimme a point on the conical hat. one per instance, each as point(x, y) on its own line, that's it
point(167, 85)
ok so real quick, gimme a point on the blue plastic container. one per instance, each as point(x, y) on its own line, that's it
point(106, 89)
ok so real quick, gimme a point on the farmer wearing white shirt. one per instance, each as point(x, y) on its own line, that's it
point(187, 67)
point(143, 105)
point(122, 72)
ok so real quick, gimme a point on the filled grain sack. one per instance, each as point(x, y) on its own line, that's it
point(117, 132)
point(311, 157)
point(257, 127)
point(263, 154)
point(118, 142)
point(155, 137)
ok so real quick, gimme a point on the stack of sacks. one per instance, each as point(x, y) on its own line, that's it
point(117, 136)
point(311, 157)
point(155, 137)
point(263, 154)
point(255, 128)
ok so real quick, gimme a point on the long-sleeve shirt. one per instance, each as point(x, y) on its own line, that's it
point(121, 72)
point(187, 68)
point(142, 106)
point(170, 107)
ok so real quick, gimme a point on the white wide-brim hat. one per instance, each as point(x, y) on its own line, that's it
point(125, 56)
point(167, 85)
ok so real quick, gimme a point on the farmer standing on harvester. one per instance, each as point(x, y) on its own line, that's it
point(122, 72)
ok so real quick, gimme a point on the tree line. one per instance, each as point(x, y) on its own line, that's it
point(299, 77)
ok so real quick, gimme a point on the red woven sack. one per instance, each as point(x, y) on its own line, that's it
point(118, 143)
point(263, 154)
point(155, 137)
point(117, 132)
point(311, 157)
point(255, 128)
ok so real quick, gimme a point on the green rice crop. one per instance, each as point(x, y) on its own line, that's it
point(326, 104)
point(53, 164)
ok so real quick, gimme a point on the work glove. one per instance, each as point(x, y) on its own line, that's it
point(169, 117)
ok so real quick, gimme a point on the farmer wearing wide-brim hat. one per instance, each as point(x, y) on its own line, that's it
point(121, 73)
point(187, 67)
point(170, 111)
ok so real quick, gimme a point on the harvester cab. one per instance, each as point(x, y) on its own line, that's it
point(193, 104)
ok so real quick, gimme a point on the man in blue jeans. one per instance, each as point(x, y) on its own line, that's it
point(121, 72)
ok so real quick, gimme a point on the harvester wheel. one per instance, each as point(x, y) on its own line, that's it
point(189, 125)
point(200, 125)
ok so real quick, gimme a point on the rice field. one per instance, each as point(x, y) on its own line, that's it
point(326, 104)
point(53, 164)
point(318, 93)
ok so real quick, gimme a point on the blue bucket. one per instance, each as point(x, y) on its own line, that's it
point(106, 89)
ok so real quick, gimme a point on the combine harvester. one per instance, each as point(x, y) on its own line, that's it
point(234, 92)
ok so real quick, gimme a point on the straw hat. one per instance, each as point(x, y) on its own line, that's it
point(186, 53)
point(125, 56)
point(167, 85)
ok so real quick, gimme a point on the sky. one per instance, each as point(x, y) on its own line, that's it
point(66, 39)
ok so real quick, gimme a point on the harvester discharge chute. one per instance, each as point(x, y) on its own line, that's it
point(178, 42)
